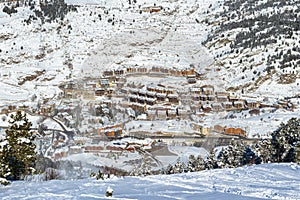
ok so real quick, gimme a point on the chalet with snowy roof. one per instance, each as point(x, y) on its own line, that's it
point(99, 91)
point(142, 93)
point(120, 82)
point(230, 130)
point(155, 69)
point(195, 97)
point(211, 97)
point(12, 107)
point(251, 103)
point(208, 90)
point(191, 80)
point(4, 110)
point(232, 98)
point(175, 72)
point(150, 101)
point(182, 113)
point(151, 94)
point(131, 70)
point(222, 98)
point(188, 72)
point(46, 109)
point(196, 91)
point(75, 150)
point(235, 131)
point(152, 9)
point(203, 97)
point(227, 105)
point(134, 91)
point(133, 98)
point(206, 108)
point(141, 100)
point(161, 96)
point(104, 83)
point(173, 98)
point(151, 114)
point(161, 114)
point(142, 70)
point(119, 72)
point(222, 93)
point(112, 131)
point(110, 91)
point(138, 107)
point(265, 104)
point(91, 84)
point(151, 88)
point(93, 149)
point(169, 91)
point(217, 107)
point(108, 73)
point(171, 113)
point(238, 104)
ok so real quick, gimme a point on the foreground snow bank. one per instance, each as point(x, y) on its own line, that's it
point(271, 181)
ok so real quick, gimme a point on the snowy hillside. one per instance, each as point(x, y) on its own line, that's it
point(38, 52)
point(270, 181)
point(254, 44)
point(253, 48)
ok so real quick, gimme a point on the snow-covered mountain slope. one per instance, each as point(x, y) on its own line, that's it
point(255, 46)
point(269, 181)
point(39, 50)
point(249, 45)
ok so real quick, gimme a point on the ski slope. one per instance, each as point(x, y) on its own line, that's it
point(269, 181)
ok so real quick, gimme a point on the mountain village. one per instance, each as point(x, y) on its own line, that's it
point(147, 101)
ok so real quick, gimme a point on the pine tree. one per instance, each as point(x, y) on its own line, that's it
point(238, 152)
point(169, 169)
point(179, 167)
point(263, 149)
point(191, 166)
point(222, 159)
point(284, 141)
point(17, 151)
point(199, 165)
point(248, 156)
point(210, 162)
point(144, 168)
point(231, 156)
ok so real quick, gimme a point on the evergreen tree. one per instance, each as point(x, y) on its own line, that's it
point(179, 167)
point(248, 156)
point(263, 150)
point(17, 151)
point(210, 162)
point(191, 166)
point(231, 156)
point(199, 165)
point(222, 159)
point(144, 168)
point(169, 169)
point(238, 152)
point(284, 141)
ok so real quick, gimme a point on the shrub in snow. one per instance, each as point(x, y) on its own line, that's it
point(109, 192)
point(3, 181)
point(9, 10)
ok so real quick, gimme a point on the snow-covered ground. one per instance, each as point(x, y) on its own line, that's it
point(268, 181)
